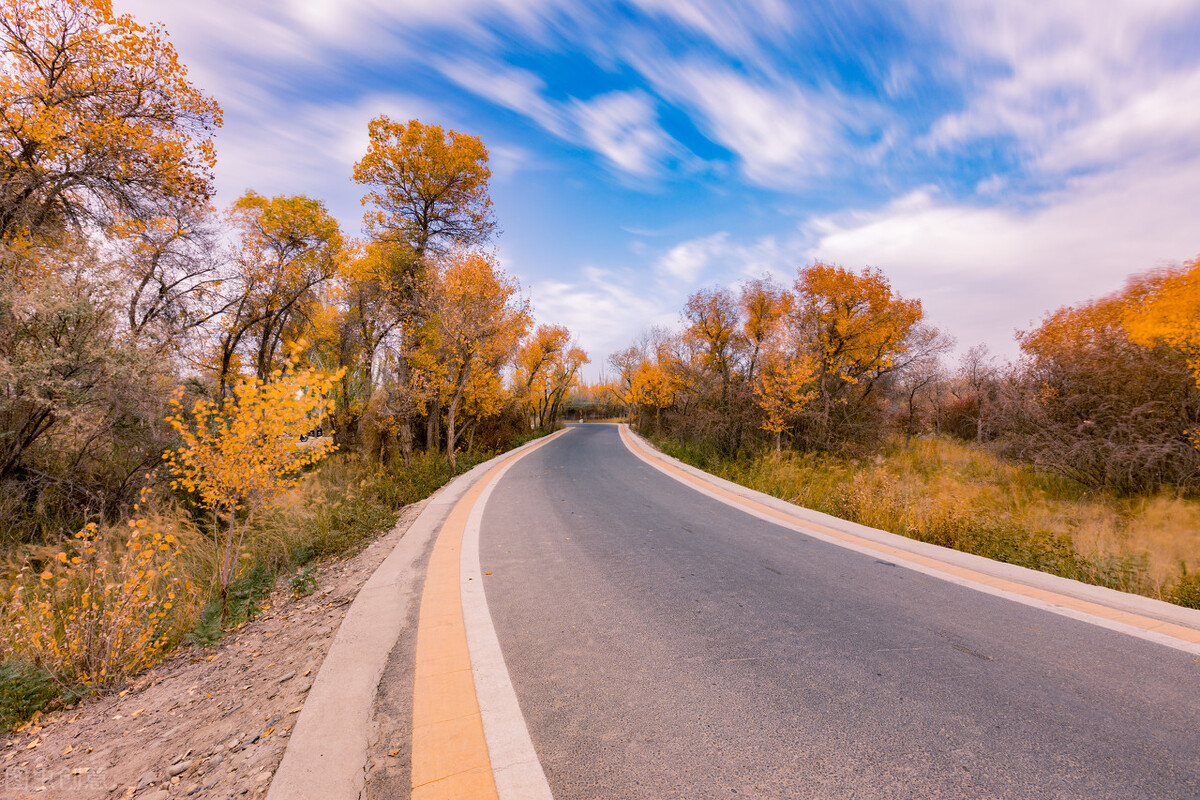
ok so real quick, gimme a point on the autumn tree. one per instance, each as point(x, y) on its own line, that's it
point(1099, 406)
point(240, 454)
point(920, 371)
point(1166, 311)
point(287, 247)
point(480, 318)
point(174, 274)
point(976, 383)
point(80, 406)
point(765, 306)
point(625, 362)
point(713, 321)
point(385, 293)
point(651, 388)
point(856, 327)
point(428, 186)
point(547, 368)
point(98, 119)
point(784, 387)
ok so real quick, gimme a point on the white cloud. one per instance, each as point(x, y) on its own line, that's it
point(782, 133)
point(734, 27)
point(983, 271)
point(620, 126)
point(1065, 75)
point(623, 127)
point(515, 89)
point(1164, 119)
point(604, 309)
point(686, 261)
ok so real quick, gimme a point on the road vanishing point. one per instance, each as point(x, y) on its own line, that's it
point(595, 620)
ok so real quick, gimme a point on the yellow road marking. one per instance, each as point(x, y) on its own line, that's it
point(449, 752)
point(1053, 598)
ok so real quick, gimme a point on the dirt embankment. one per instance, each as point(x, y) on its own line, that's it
point(204, 723)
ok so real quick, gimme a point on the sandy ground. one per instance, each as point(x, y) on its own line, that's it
point(204, 723)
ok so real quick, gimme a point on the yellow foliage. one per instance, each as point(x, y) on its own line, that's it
point(243, 453)
point(783, 390)
point(429, 185)
point(97, 613)
point(856, 322)
point(1169, 313)
point(97, 117)
point(651, 386)
point(547, 368)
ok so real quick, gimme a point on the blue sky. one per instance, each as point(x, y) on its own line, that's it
point(996, 160)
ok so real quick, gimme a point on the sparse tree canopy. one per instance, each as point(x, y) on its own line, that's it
point(429, 187)
point(97, 118)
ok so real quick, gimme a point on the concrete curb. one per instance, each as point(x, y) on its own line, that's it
point(1120, 601)
point(326, 755)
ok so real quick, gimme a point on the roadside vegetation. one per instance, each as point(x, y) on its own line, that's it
point(197, 403)
point(1079, 459)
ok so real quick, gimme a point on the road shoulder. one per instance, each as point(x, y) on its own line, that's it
point(1150, 619)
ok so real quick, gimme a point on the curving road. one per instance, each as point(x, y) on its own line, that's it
point(663, 644)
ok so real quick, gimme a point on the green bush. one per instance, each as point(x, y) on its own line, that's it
point(25, 689)
point(1185, 591)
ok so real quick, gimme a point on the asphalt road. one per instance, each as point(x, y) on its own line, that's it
point(662, 644)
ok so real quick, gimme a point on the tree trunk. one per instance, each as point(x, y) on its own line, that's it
point(451, 436)
point(405, 435)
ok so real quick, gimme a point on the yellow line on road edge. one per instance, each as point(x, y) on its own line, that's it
point(449, 752)
point(1052, 598)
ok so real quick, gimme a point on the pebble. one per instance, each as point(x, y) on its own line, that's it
point(262, 777)
point(145, 781)
point(179, 769)
point(287, 677)
point(214, 762)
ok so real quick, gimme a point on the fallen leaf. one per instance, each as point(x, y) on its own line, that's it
point(296, 710)
point(393, 753)
point(140, 710)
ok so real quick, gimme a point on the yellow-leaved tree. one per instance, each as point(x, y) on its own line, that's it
point(651, 387)
point(1169, 313)
point(547, 369)
point(288, 246)
point(97, 118)
point(429, 186)
point(784, 386)
point(480, 318)
point(241, 454)
point(855, 327)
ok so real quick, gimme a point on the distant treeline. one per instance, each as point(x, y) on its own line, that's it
point(1104, 392)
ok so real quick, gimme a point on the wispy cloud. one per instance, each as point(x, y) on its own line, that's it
point(508, 87)
point(985, 271)
point(623, 127)
point(1057, 76)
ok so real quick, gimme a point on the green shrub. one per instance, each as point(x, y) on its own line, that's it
point(25, 689)
point(1186, 590)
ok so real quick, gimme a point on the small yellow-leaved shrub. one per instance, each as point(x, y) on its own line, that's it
point(107, 605)
point(244, 453)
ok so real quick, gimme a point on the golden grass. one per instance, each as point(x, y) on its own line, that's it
point(961, 495)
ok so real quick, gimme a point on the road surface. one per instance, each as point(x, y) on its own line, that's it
point(663, 644)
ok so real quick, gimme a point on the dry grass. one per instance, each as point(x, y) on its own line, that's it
point(962, 496)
